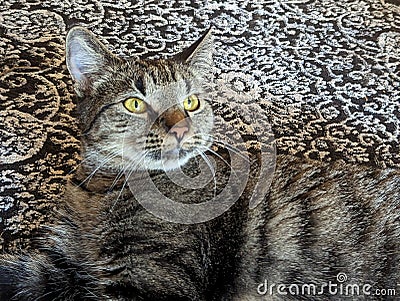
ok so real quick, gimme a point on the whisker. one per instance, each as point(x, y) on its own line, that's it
point(107, 159)
point(80, 163)
point(132, 167)
point(212, 169)
point(224, 144)
point(121, 172)
point(233, 149)
point(117, 178)
point(223, 160)
point(87, 158)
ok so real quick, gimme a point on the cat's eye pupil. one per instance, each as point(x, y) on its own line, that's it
point(135, 105)
point(191, 103)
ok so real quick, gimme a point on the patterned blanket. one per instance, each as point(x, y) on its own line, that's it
point(325, 73)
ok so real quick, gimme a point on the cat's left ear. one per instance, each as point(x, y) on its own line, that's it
point(87, 58)
point(199, 56)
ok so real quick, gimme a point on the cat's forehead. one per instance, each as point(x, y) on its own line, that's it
point(161, 71)
point(163, 96)
point(162, 83)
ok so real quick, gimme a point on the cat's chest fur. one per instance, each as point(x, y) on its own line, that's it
point(134, 253)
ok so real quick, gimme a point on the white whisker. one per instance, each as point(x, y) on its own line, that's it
point(223, 160)
point(212, 169)
point(81, 163)
point(210, 139)
point(132, 167)
point(231, 148)
point(121, 172)
point(107, 159)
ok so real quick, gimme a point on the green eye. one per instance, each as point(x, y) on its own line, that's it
point(135, 105)
point(191, 103)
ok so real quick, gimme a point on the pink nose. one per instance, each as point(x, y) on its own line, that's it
point(179, 131)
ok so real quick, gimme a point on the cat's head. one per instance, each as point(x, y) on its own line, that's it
point(140, 113)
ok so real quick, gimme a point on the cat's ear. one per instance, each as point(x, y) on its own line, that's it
point(86, 58)
point(199, 56)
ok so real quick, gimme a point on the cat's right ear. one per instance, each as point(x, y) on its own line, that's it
point(199, 56)
point(87, 58)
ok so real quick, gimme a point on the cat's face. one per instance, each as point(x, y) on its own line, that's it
point(140, 114)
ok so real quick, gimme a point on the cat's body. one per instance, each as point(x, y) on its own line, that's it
point(317, 221)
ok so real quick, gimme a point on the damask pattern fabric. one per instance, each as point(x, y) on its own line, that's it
point(324, 73)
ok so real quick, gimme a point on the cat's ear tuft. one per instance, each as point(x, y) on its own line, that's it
point(86, 57)
point(200, 54)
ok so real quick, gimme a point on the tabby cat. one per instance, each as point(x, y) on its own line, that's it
point(321, 226)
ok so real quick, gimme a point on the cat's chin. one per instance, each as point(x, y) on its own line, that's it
point(169, 161)
point(166, 160)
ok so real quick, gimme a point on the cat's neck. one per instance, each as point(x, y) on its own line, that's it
point(104, 180)
point(98, 181)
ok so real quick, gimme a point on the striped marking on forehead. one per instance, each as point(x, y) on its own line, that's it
point(161, 71)
point(155, 73)
point(140, 85)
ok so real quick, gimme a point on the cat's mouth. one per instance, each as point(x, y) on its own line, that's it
point(174, 155)
point(163, 157)
point(166, 155)
point(169, 159)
